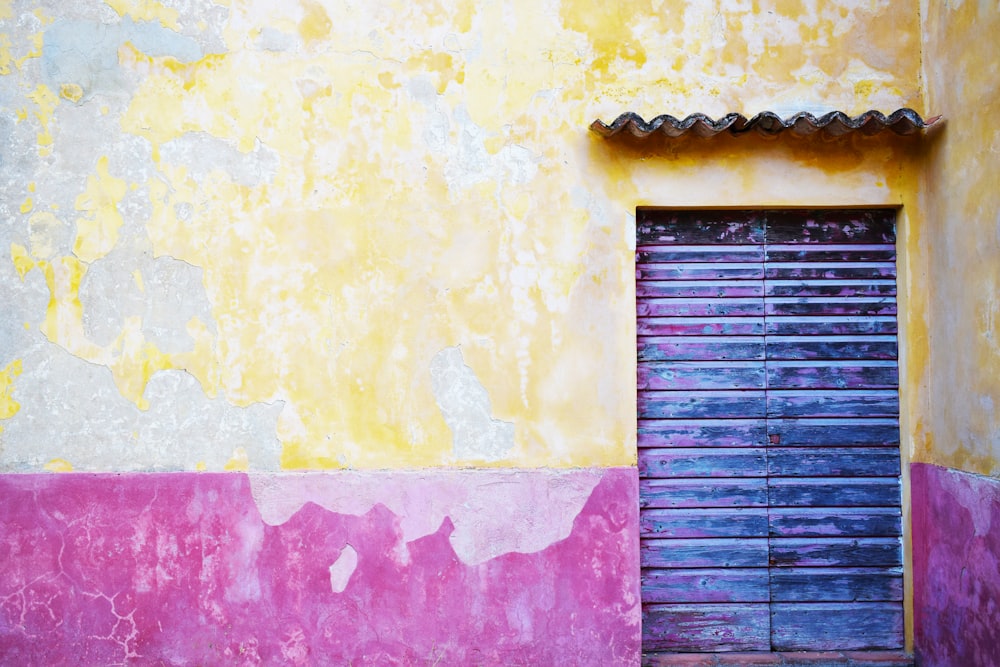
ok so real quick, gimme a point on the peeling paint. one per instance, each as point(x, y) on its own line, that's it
point(493, 512)
point(317, 201)
point(465, 405)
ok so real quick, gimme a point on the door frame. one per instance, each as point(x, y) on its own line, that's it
point(909, 409)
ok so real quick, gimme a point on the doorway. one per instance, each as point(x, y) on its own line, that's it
point(768, 413)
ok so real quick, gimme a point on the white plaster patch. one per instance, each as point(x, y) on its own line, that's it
point(166, 293)
point(72, 410)
point(494, 512)
point(201, 153)
point(343, 568)
point(466, 408)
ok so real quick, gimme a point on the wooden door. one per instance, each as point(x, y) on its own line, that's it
point(768, 430)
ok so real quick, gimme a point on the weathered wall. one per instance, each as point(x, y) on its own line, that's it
point(271, 218)
point(304, 235)
point(955, 514)
point(956, 561)
point(960, 200)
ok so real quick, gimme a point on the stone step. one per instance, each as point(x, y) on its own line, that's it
point(787, 659)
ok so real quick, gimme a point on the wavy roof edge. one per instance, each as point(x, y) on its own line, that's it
point(902, 121)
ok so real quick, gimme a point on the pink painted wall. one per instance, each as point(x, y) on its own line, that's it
point(181, 569)
point(956, 567)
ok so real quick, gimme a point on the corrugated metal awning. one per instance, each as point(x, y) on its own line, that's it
point(835, 123)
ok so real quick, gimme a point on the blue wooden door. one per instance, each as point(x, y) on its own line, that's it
point(768, 430)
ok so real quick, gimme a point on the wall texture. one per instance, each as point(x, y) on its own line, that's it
point(956, 514)
point(350, 239)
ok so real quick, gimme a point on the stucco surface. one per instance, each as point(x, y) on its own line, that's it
point(181, 569)
point(960, 198)
point(292, 209)
point(956, 567)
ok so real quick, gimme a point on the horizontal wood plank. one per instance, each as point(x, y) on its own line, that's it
point(833, 461)
point(701, 404)
point(651, 254)
point(785, 253)
point(699, 307)
point(832, 403)
point(831, 347)
point(869, 432)
point(836, 552)
point(693, 348)
point(704, 375)
point(830, 270)
point(705, 585)
point(830, 325)
point(702, 522)
point(702, 433)
point(706, 627)
point(703, 462)
point(690, 493)
point(812, 584)
point(823, 306)
point(682, 289)
point(854, 374)
point(835, 522)
point(855, 626)
point(703, 552)
point(833, 492)
point(825, 226)
point(702, 271)
point(690, 227)
point(830, 288)
point(700, 326)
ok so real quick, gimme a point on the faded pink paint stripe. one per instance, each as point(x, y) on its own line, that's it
point(180, 569)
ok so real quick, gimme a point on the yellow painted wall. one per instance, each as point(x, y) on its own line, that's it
point(960, 197)
point(364, 186)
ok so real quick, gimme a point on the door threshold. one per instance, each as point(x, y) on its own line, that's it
point(781, 659)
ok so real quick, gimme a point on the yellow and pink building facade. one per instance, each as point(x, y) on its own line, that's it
point(318, 326)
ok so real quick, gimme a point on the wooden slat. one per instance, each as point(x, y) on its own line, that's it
point(705, 585)
point(842, 522)
point(701, 307)
point(706, 627)
point(691, 493)
point(833, 461)
point(836, 552)
point(830, 270)
point(699, 227)
point(703, 552)
point(831, 347)
point(833, 492)
point(698, 289)
point(701, 404)
point(868, 584)
point(872, 432)
point(856, 374)
point(704, 375)
point(692, 348)
point(703, 270)
point(702, 433)
point(830, 288)
point(702, 522)
point(826, 226)
point(830, 253)
point(832, 626)
point(701, 326)
point(822, 306)
point(830, 325)
point(703, 462)
point(652, 254)
point(832, 403)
